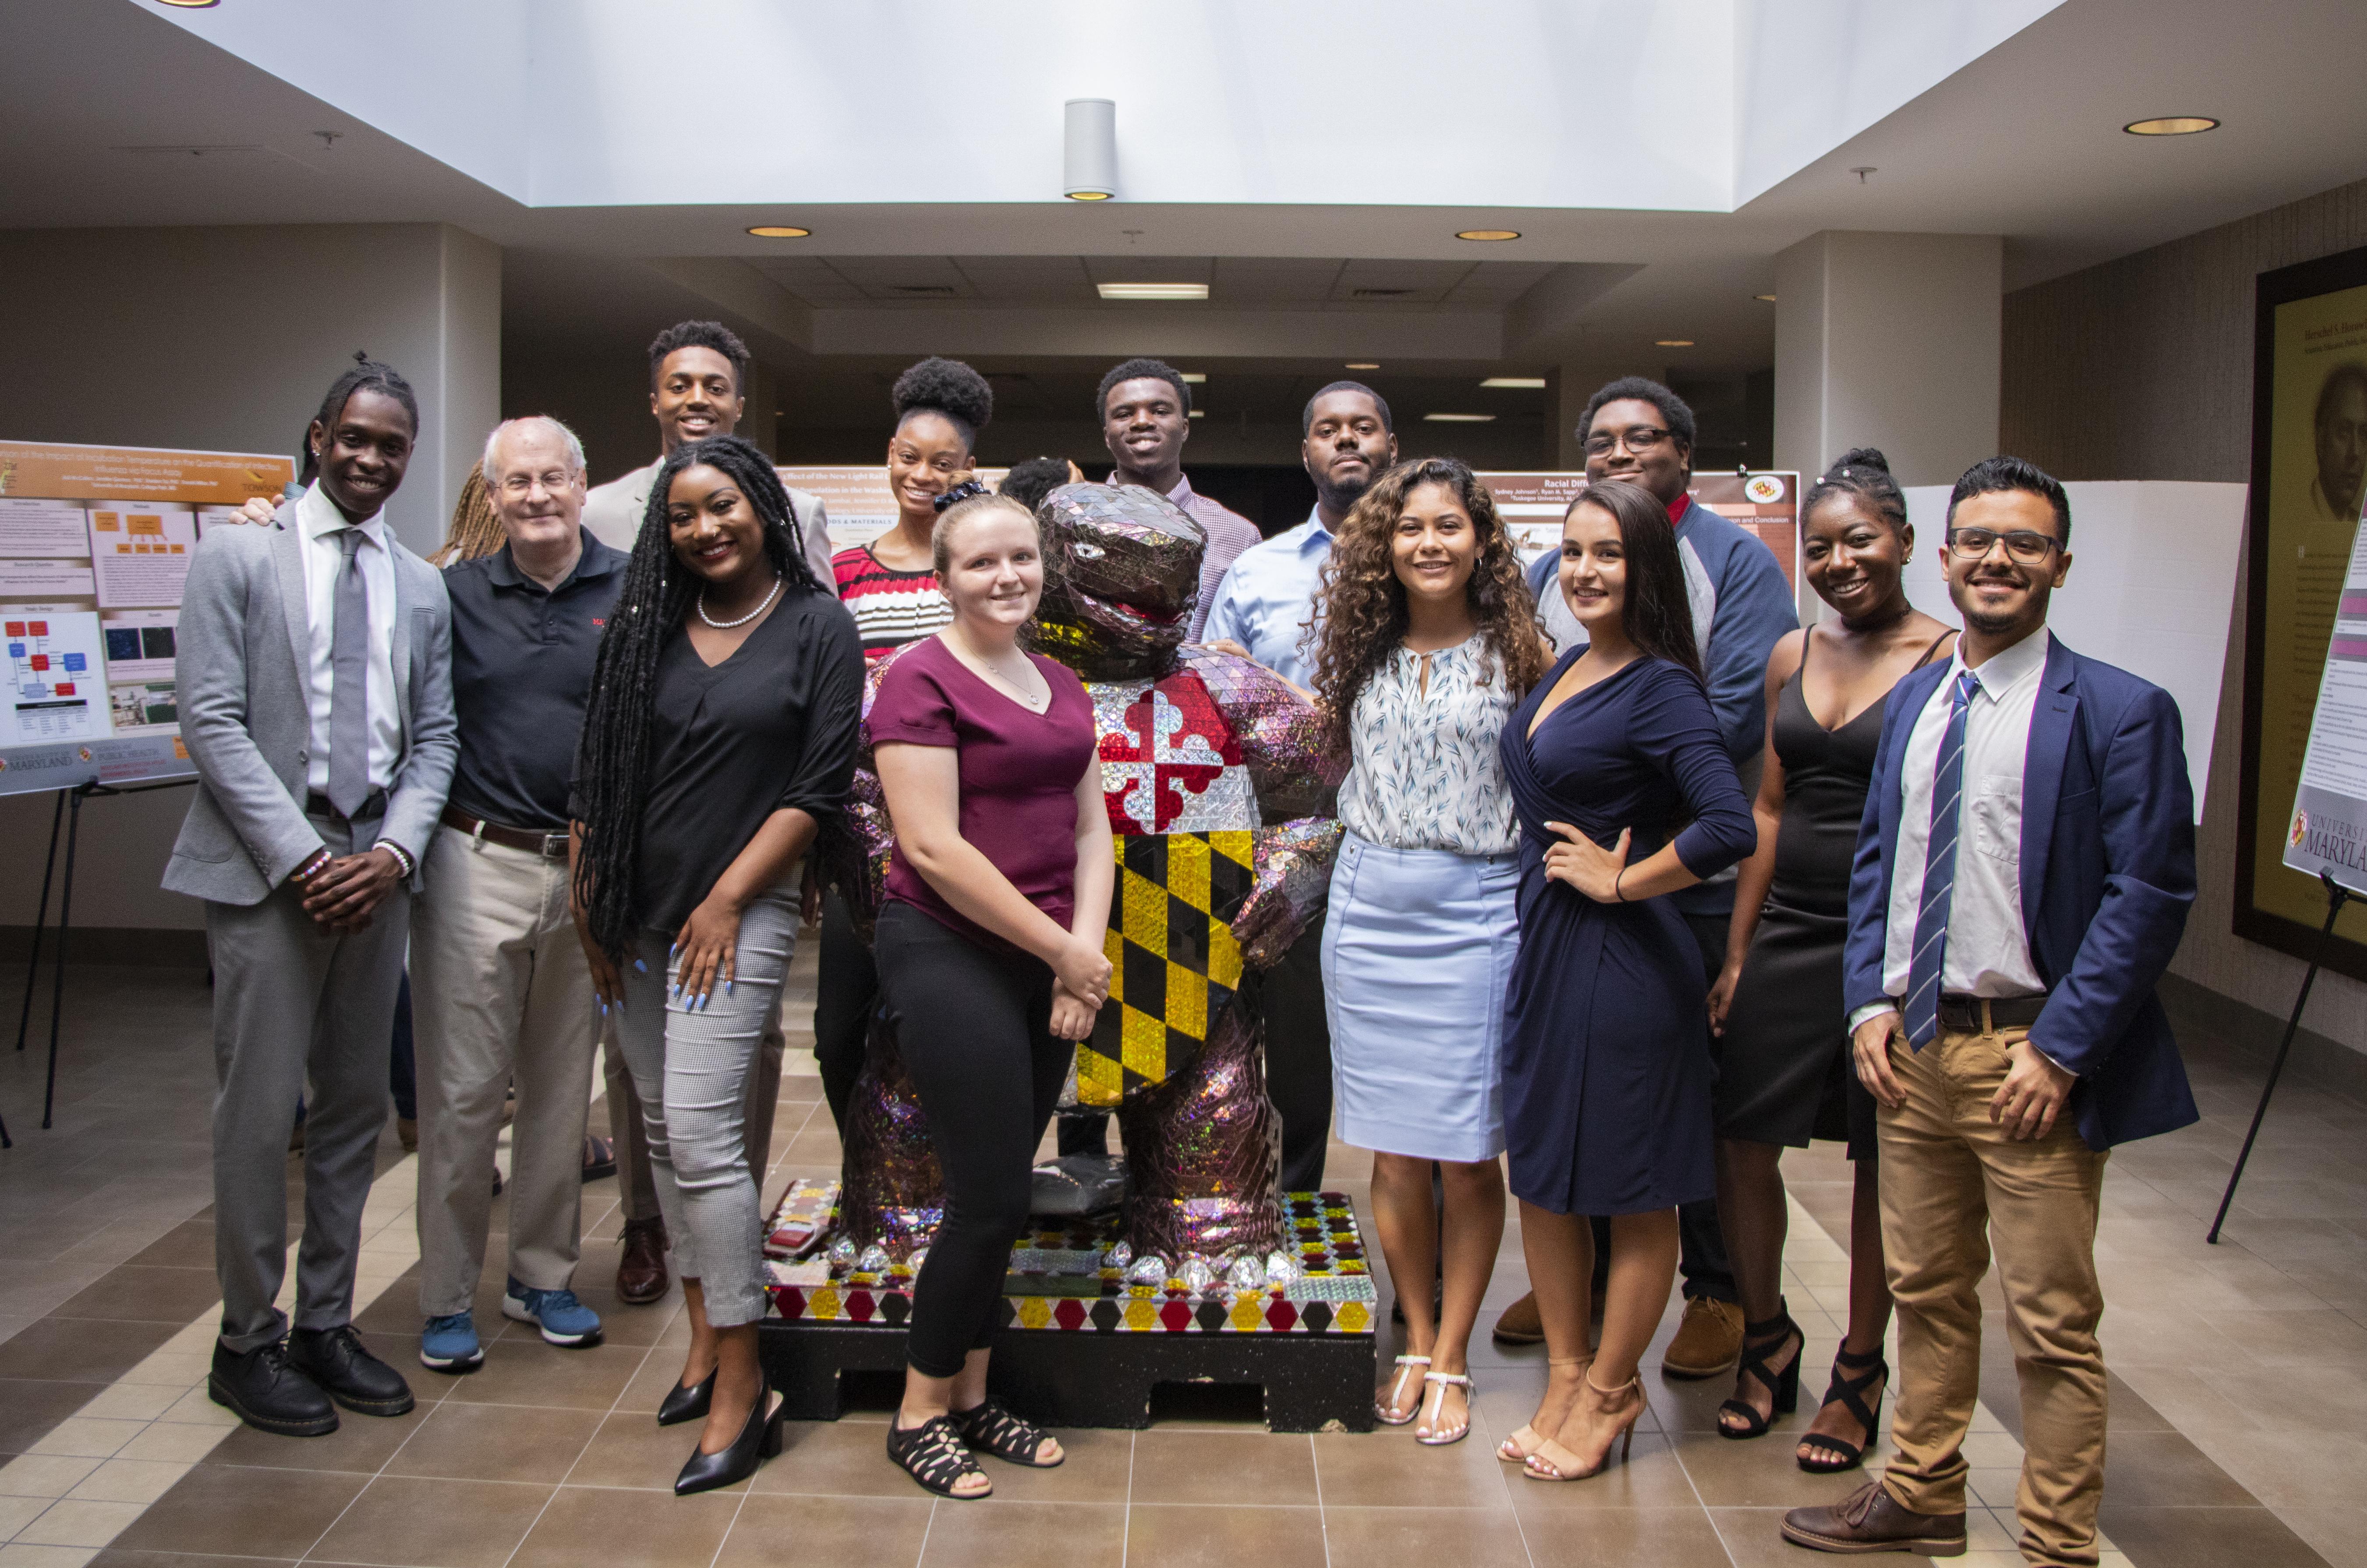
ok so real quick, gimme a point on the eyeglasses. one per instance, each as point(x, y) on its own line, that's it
point(1638, 438)
point(2023, 544)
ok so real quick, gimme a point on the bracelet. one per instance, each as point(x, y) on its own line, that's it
point(1615, 891)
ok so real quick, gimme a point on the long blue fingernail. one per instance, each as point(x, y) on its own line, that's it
point(702, 1000)
point(672, 948)
point(673, 991)
point(727, 987)
point(642, 966)
point(604, 1009)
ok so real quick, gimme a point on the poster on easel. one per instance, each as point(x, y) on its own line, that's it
point(1766, 503)
point(95, 545)
point(2327, 832)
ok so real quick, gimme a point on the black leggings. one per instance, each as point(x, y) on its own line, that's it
point(975, 1031)
point(845, 992)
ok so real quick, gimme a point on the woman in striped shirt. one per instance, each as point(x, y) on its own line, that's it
point(889, 584)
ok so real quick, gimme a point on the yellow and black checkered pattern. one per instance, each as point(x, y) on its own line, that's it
point(1171, 949)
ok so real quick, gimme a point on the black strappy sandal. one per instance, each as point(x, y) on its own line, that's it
point(1773, 1334)
point(934, 1454)
point(1850, 1392)
point(991, 1428)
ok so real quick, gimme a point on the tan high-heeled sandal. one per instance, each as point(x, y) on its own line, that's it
point(1510, 1450)
point(1387, 1414)
point(1542, 1466)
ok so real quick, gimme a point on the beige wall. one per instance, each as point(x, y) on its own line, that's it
point(224, 339)
point(2141, 368)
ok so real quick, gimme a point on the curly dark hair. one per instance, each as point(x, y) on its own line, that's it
point(700, 335)
point(1139, 371)
point(1364, 615)
point(946, 386)
point(1656, 611)
point(1862, 472)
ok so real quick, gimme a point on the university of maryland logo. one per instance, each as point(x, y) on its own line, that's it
point(1174, 963)
point(1170, 763)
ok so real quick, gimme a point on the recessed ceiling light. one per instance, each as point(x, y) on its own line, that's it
point(1458, 418)
point(1770, 298)
point(191, 5)
point(1199, 414)
point(2171, 125)
point(1361, 364)
point(779, 232)
point(1515, 383)
point(1487, 233)
point(1194, 377)
point(1153, 291)
point(1672, 343)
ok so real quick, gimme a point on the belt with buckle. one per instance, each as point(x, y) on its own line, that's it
point(317, 804)
point(1964, 1014)
point(551, 846)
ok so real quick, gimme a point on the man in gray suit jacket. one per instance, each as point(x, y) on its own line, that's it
point(315, 675)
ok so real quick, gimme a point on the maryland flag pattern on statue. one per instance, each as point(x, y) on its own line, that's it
point(1174, 959)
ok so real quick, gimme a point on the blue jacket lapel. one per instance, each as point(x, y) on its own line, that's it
point(2053, 719)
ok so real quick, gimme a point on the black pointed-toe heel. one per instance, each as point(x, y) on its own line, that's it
point(759, 1440)
point(687, 1404)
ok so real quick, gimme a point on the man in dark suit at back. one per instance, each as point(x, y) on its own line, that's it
point(2023, 874)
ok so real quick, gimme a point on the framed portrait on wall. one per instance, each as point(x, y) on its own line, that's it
point(2309, 481)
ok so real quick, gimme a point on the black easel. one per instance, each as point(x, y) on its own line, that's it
point(2335, 896)
point(75, 796)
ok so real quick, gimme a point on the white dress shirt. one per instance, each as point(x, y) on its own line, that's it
point(324, 556)
point(1267, 601)
point(1987, 951)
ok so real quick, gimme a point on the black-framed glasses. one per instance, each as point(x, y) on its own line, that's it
point(2023, 544)
point(1638, 439)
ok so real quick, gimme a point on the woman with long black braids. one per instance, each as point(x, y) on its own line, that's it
point(721, 725)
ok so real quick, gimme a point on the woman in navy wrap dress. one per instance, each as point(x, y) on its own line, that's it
point(1624, 793)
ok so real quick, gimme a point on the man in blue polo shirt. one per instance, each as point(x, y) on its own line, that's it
point(501, 989)
point(1639, 431)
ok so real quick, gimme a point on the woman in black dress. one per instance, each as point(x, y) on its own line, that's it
point(1607, 1065)
point(1785, 1076)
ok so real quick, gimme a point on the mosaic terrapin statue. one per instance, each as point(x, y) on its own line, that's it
point(1219, 803)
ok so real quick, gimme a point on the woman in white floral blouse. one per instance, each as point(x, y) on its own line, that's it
point(1429, 640)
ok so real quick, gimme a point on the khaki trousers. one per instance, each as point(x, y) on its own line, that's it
point(500, 993)
point(1955, 1187)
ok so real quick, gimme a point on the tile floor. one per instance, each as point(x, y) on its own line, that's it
point(2240, 1384)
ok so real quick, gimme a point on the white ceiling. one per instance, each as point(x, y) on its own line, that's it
point(1377, 142)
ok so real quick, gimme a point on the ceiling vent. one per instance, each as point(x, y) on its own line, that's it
point(926, 290)
point(1381, 293)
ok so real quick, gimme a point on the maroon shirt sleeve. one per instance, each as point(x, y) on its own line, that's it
point(913, 706)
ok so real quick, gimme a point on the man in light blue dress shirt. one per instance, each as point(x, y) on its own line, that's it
point(1264, 609)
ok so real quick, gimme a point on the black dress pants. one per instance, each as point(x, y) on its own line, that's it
point(1701, 1240)
point(846, 993)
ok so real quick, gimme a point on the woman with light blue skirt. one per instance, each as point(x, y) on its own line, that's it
point(1428, 643)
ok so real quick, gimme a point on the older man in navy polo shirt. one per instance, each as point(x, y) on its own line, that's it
point(501, 990)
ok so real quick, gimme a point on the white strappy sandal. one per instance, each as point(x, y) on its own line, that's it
point(1386, 1415)
point(1462, 1380)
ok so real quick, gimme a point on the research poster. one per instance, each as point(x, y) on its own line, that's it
point(2329, 812)
point(1766, 503)
point(2309, 470)
point(95, 547)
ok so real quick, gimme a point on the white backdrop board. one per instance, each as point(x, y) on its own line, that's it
point(2152, 587)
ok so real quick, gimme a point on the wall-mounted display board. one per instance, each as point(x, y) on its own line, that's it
point(94, 542)
point(860, 504)
point(2309, 469)
point(1768, 503)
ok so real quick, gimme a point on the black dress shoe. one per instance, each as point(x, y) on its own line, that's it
point(687, 1404)
point(261, 1389)
point(334, 1358)
point(759, 1440)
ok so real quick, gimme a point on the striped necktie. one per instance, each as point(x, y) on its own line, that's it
point(1939, 872)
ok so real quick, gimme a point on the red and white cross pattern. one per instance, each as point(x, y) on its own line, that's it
point(1170, 762)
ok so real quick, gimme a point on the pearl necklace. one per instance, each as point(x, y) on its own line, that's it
point(727, 626)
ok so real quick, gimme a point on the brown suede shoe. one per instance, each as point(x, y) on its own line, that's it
point(641, 1276)
point(1520, 1325)
point(1708, 1341)
point(1870, 1519)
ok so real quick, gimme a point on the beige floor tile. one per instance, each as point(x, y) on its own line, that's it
point(585, 1524)
point(1213, 1536)
point(1223, 1467)
point(120, 1480)
point(87, 1436)
point(184, 1444)
point(27, 1556)
point(42, 1475)
point(829, 1532)
point(1090, 1535)
point(74, 1522)
point(18, 1511)
point(405, 1522)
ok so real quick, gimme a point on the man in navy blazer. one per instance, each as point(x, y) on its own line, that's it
point(2023, 874)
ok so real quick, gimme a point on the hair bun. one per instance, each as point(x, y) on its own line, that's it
point(947, 387)
point(1859, 457)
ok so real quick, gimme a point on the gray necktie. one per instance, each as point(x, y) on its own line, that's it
point(349, 685)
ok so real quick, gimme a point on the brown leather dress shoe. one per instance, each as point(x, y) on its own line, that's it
point(1708, 1341)
point(1520, 1325)
point(1870, 1519)
point(641, 1275)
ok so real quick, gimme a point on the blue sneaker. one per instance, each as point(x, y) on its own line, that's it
point(449, 1344)
point(563, 1319)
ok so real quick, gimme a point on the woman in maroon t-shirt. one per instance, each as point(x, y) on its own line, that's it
point(990, 949)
